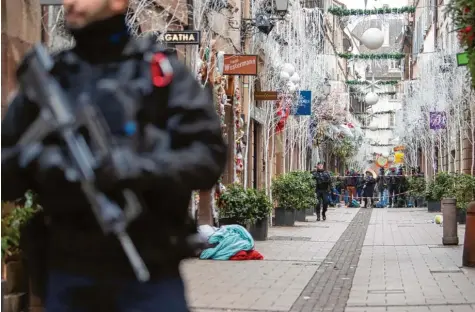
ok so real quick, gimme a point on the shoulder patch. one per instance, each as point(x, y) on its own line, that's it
point(162, 71)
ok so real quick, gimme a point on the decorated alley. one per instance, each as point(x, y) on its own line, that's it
point(359, 260)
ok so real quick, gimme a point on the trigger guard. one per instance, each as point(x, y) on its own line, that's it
point(29, 154)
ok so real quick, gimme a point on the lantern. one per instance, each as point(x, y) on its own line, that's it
point(371, 98)
point(373, 38)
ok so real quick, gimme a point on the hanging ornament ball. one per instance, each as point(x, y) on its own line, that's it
point(295, 78)
point(373, 38)
point(371, 98)
point(289, 69)
point(291, 87)
point(284, 75)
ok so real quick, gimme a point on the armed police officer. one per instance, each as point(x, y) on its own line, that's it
point(322, 190)
point(88, 271)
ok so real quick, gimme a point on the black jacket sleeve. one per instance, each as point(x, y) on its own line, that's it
point(20, 114)
point(196, 152)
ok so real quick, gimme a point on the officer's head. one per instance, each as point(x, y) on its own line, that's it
point(79, 13)
point(319, 166)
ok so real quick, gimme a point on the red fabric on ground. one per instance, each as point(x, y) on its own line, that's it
point(247, 255)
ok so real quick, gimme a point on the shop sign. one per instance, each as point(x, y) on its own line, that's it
point(183, 37)
point(245, 65)
point(265, 95)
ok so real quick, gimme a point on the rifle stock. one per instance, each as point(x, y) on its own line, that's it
point(58, 115)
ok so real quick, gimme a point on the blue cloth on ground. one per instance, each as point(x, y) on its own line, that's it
point(230, 239)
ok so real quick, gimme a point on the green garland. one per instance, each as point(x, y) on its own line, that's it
point(365, 82)
point(376, 129)
point(382, 145)
point(463, 14)
point(372, 56)
point(338, 11)
point(377, 113)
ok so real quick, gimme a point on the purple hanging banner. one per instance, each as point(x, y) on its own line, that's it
point(437, 120)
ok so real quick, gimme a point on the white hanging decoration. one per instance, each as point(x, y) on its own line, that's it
point(371, 98)
point(289, 69)
point(220, 62)
point(295, 78)
point(373, 38)
point(291, 87)
point(284, 75)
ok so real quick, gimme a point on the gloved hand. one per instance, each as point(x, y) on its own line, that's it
point(124, 169)
point(51, 165)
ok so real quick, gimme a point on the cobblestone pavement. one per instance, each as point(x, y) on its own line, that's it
point(329, 288)
point(404, 267)
point(399, 265)
point(292, 256)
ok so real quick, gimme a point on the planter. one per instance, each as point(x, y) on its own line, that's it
point(301, 216)
point(260, 229)
point(284, 217)
point(433, 206)
point(309, 211)
point(461, 216)
point(230, 221)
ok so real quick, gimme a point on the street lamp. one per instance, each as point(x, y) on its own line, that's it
point(281, 7)
point(263, 21)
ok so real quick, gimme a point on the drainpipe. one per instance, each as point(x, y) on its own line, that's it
point(435, 21)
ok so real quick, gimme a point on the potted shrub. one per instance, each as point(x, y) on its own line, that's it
point(261, 210)
point(14, 217)
point(291, 192)
point(282, 193)
point(417, 188)
point(307, 192)
point(440, 187)
point(464, 191)
point(234, 206)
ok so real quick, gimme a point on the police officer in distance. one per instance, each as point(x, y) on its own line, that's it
point(322, 189)
point(88, 271)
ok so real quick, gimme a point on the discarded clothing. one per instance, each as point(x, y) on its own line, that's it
point(230, 239)
point(247, 255)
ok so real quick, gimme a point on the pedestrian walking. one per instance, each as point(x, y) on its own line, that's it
point(85, 270)
point(381, 181)
point(350, 182)
point(368, 189)
point(322, 190)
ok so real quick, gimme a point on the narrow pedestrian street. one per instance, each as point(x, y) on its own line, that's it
point(359, 260)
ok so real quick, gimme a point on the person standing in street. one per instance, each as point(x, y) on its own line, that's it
point(85, 269)
point(392, 180)
point(350, 181)
point(368, 189)
point(381, 183)
point(360, 182)
point(322, 190)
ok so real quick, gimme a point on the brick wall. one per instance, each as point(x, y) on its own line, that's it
point(21, 27)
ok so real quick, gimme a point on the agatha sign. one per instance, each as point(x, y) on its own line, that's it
point(182, 37)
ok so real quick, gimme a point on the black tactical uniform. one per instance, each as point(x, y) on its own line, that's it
point(86, 267)
point(322, 190)
point(392, 181)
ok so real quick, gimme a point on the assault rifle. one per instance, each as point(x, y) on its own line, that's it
point(57, 115)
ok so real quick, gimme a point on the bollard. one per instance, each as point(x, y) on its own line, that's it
point(449, 213)
point(468, 258)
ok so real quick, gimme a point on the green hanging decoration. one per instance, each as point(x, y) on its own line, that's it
point(338, 11)
point(377, 113)
point(365, 82)
point(372, 56)
point(378, 93)
point(207, 52)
